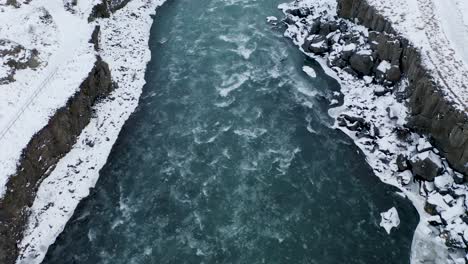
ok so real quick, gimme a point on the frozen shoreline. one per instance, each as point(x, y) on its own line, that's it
point(385, 113)
point(76, 173)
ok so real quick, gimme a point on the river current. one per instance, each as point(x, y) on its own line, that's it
point(231, 158)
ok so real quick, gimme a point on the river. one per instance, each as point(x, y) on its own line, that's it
point(231, 158)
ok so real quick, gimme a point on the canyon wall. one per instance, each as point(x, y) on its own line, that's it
point(431, 112)
point(43, 152)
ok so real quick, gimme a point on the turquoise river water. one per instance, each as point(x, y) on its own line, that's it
point(231, 158)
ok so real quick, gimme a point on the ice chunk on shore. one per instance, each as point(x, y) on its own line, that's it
point(390, 219)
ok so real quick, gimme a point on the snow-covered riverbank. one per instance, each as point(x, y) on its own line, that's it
point(65, 56)
point(60, 33)
point(374, 115)
point(124, 43)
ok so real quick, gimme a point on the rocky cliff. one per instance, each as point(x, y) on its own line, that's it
point(42, 154)
point(431, 113)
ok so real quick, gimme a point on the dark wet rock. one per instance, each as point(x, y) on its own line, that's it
point(403, 133)
point(299, 12)
point(348, 51)
point(354, 123)
point(458, 178)
point(430, 208)
point(95, 37)
point(315, 27)
point(100, 10)
point(60, 134)
point(393, 74)
point(435, 220)
point(318, 44)
point(289, 20)
point(335, 61)
point(348, 69)
point(402, 162)
point(431, 112)
point(426, 165)
point(343, 27)
point(362, 63)
point(328, 26)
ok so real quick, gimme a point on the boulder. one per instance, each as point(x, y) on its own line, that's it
point(458, 178)
point(336, 61)
point(435, 204)
point(300, 12)
point(343, 26)
point(362, 62)
point(423, 145)
point(353, 123)
point(328, 26)
point(318, 44)
point(348, 51)
point(435, 220)
point(315, 26)
point(348, 70)
point(405, 177)
point(426, 165)
point(402, 162)
point(443, 183)
point(393, 74)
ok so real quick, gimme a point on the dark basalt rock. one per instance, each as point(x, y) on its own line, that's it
point(430, 208)
point(402, 163)
point(42, 153)
point(100, 10)
point(336, 62)
point(318, 44)
point(425, 168)
point(328, 27)
point(431, 112)
point(299, 12)
point(315, 27)
point(362, 63)
point(95, 37)
point(393, 74)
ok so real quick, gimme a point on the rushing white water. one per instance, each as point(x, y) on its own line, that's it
point(230, 157)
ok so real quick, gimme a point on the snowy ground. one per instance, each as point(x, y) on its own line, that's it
point(440, 29)
point(66, 59)
point(384, 113)
point(124, 43)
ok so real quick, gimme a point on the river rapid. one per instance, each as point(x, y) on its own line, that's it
point(231, 158)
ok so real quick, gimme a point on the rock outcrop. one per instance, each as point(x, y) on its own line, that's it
point(106, 8)
point(389, 74)
point(14, 57)
point(431, 113)
point(43, 152)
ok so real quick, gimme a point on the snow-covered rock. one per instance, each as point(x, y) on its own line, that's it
point(426, 165)
point(405, 177)
point(443, 183)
